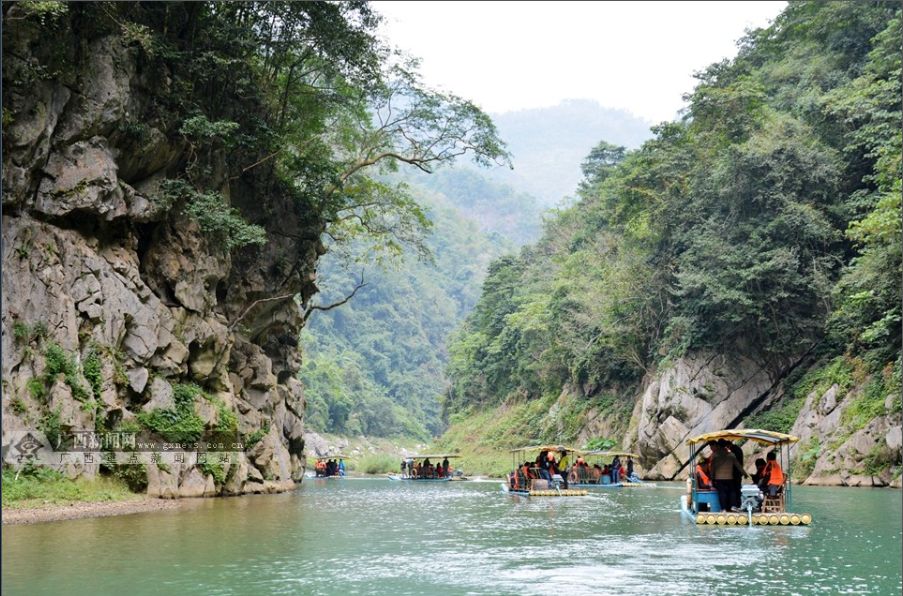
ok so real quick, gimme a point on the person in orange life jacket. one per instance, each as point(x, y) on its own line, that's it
point(703, 482)
point(773, 476)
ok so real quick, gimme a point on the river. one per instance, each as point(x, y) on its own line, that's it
point(373, 536)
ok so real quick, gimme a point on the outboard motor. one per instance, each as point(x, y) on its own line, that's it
point(750, 497)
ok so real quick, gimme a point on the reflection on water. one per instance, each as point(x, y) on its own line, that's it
point(380, 537)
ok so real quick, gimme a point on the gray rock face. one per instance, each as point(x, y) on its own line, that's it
point(698, 393)
point(94, 259)
point(702, 393)
point(839, 454)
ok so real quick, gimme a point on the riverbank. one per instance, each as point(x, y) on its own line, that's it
point(69, 511)
point(41, 495)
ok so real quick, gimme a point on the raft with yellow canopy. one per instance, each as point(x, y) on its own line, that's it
point(702, 506)
point(587, 479)
point(422, 468)
point(518, 483)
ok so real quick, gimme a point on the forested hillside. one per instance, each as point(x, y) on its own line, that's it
point(376, 365)
point(741, 267)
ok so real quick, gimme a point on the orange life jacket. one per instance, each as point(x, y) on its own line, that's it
point(774, 473)
point(702, 479)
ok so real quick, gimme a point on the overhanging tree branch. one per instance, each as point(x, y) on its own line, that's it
point(255, 303)
point(311, 308)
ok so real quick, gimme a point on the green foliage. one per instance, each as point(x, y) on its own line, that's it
point(180, 424)
point(807, 459)
point(601, 443)
point(377, 463)
point(763, 221)
point(37, 388)
point(226, 420)
point(375, 365)
point(224, 223)
point(40, 485)
point(92, 368)
point(199, 128)
point(133, 475)
point(214, 469)
point(43, 10)
point(186, 394)
point(781, 416)
point(21, 332)
point(50, 426)
point(880, 458)
point(839, 371)
point(255, 437)
point(868, 404)
point(59, 362)
point(18, 406)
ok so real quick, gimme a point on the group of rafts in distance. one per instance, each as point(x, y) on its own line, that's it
point(765, 503)
point(701, 504)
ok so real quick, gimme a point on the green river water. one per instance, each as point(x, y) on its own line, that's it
point(374, 536)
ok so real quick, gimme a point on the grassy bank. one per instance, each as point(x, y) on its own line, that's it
point(43, 486)
point(484, 439)
point(369, 455)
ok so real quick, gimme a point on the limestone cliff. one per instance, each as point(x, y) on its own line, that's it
point(842, 442)
point(97, 268)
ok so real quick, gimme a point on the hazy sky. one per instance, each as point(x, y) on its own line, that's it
point(639, 56)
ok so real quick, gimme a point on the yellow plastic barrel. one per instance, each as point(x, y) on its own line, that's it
point(795, 519)
point(731, 519)
point(806, 518)
point(773, 520)
point(785, 519)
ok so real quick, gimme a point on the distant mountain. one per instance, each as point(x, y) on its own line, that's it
point(376, 366)
point(549, 144)
point(494, 207)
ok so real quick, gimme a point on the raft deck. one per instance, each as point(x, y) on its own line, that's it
point(758, 519)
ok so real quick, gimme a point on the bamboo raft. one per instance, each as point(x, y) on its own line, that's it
point(565, 492)
point(758, 519)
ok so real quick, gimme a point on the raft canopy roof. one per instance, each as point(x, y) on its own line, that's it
point(765, 437)
point(433, 456)
point(611, 453)
point(334, 456)
point(555, 448)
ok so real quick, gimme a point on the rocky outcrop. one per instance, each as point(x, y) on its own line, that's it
point(704, 392)
point(831, 452)
point(698, 393)
point(100, 267)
